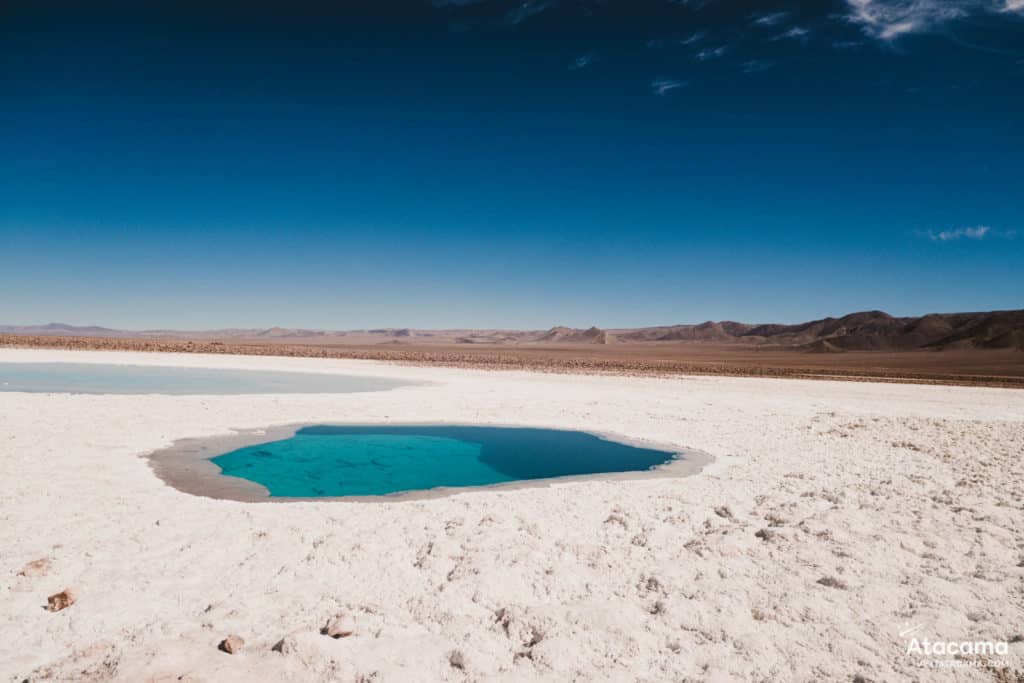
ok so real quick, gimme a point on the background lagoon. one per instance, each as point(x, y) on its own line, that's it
point(95, 378)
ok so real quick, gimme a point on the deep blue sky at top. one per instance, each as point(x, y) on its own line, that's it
point(508, 164)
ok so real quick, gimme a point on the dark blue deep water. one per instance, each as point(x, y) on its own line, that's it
point(377, 460)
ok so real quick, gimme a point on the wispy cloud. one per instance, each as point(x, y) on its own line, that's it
point(754, 66)
point(712, 53)
point(699, 35)
point(889, 19)
point(582, 62)
point(772, 18)
point(794, 33)
point(526, 9)
point(977, 232)
point(663, 86)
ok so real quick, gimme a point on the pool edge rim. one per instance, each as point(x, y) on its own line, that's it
point(196, 475)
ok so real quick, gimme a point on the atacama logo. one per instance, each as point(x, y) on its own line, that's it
point(954, 653)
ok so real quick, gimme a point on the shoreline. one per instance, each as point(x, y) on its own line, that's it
point(187, 467)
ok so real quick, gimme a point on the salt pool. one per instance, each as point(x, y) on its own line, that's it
point(376, 460)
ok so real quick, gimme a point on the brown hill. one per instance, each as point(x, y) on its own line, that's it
point(879, 331)
point(862, 331)
point(994, 330)
point(288, 333)
point(822, 346)
point(571, 335)
point(704, 332)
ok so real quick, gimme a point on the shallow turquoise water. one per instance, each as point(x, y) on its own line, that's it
point(89, 378)
point(377, 460)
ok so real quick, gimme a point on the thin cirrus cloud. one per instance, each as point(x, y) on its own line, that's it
point(524, 10)
point(663, 86)
point(977, 232)
point(773, 18)
point(582, 62)
point(754, 66)
point(887, 20)
point(712, 53)
point(794, 33)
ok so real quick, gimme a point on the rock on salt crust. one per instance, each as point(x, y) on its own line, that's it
point(232, 644)
point(340, 626)
point(905, 499)
point(62, 600)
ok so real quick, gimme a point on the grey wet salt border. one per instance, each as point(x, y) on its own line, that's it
point(187, 465)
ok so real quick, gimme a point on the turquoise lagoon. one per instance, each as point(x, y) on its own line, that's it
point(364, 460)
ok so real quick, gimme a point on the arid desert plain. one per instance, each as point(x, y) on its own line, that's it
point(837, 523)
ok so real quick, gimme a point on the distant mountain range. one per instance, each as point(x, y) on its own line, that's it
point(865, 331)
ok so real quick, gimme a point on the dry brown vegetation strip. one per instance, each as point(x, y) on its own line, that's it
point(973, 368)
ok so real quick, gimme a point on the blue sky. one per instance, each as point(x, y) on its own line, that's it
point(508, 164)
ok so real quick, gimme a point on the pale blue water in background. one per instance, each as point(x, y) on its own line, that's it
point(377, 460)
point(88, 378)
